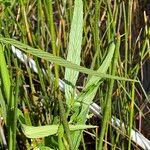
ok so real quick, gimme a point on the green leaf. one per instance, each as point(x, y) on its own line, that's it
point(4, 75)
point(47, 130)
point(3, 111)
point(88, 93)
point(74, 49)
point(58, 60)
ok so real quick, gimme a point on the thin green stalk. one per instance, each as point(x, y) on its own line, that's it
point(6, 84)
point(131, 114)
point(5, 77)
point(27, 31)
point(30, 80)
point(26, 22)
point(97, 15)
point(10, 122)
point(41, 34)
point(60, 137)
point(65, 122)
point(129, 24)
point(4, 74)
point(126, 60)
point(70, 10)
point(116, 141)
point(107, 112)
point(111, 18)
point(53, 36)
point(15, 110)
point(126, 39)
point(109, 29)
point(83, 142)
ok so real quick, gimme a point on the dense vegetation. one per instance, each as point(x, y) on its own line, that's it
point(85, 53)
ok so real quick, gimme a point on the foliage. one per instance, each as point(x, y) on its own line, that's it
point(95, 49)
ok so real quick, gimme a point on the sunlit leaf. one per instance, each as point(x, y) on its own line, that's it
point(58, 60)
point(74, 49)
point(47, 130)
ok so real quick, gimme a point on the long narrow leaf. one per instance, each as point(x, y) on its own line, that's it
point(4, 74)
point(58, 60)
point(88, 94)
point(47, 130)
point(74, 49)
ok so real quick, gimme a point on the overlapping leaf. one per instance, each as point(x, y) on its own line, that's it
point(74, 49)
point(58, 60)
point(47, 130)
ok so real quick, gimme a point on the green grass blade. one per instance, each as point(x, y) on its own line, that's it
point(58, 60)
point(131, 115)
point(92, 85)
point(74, 49)
point(5, 78)
point(107, 109)
point(4, 74)
point(47, 130)
point(3, 106)
point(15, 110)
point(88, 93)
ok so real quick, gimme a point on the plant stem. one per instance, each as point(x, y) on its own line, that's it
point(107, 111)
point(65, 122)
point(53, 36)
point(131, 114)
point(15, 110)
point(4, 74)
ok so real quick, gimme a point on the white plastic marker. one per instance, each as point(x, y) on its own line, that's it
point(136, 136)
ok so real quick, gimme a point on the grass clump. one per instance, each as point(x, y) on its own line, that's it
point(57, 58)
